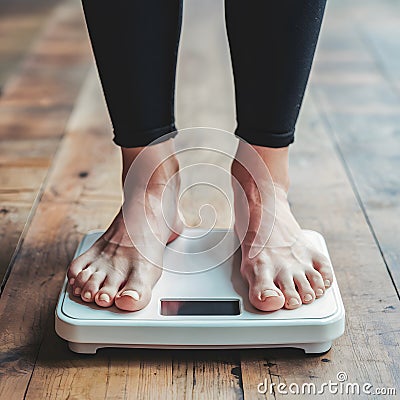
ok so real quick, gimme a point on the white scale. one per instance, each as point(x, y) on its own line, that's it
point(204, 310)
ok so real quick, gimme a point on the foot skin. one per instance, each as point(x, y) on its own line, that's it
point(113, 270)
point(285, 269)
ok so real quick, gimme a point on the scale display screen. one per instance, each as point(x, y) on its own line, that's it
point(200, 307)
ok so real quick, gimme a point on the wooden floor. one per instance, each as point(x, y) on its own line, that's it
point(59, 178)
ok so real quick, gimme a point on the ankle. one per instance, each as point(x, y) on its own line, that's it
point(160, 159)
point(277, 162)
point(247, 166)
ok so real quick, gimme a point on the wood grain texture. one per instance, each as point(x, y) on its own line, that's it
point(37, 100)
point(34, 108)
point(20, 23)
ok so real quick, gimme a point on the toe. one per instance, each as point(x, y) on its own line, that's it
point(133, 297)
point(92, 286)
point(135, 294)
point(265, 295)
point(304, 288)
point(316, 282)
point(323, 265)
point(77, 265)
point(81, 279)
point(292, 298)
point(106, 295)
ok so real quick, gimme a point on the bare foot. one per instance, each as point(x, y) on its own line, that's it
point(284, 269)
point(114, 270)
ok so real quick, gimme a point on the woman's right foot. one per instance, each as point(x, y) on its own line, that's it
point(115, 270)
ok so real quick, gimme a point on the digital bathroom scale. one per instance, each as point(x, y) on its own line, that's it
point(200, 302)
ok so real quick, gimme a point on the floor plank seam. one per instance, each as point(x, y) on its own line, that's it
point(41, 190)
point(33, 369)
point(36, 42)
point(379, 64)
point(22, 236)
point(333, 138)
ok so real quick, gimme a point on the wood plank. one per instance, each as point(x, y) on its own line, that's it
point(34, 109)
point(57, 226)
point(20, 23)
point(47, 79)
point(23, 166)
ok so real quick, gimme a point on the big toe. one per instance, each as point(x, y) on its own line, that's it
point(132, 299)
point(266, 298)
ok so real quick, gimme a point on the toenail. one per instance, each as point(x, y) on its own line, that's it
point(268, 293)
point(78, 291)
point(327, 283)
point(132, 293)
point(293, 302)
point(87, 295)
point(307, 297)
point(104, 297)
point(319, 292)
point(72, 281)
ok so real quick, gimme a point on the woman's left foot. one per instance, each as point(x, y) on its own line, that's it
point(284, 269)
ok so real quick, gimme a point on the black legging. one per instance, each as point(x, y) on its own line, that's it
point(272, 44)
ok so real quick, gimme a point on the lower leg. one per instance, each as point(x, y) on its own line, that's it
point(272, 45)
point(135, 46)
point(272, 54)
